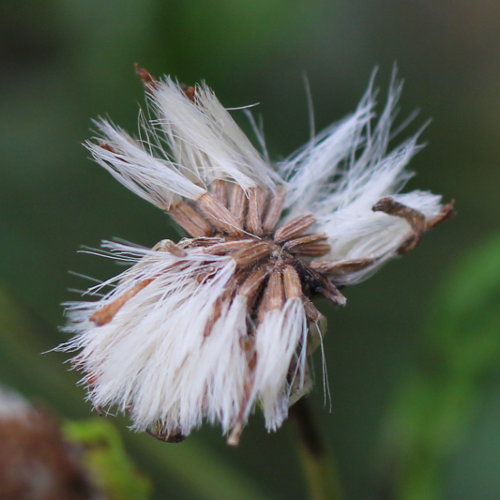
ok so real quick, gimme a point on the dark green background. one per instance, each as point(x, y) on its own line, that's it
point(65, 62)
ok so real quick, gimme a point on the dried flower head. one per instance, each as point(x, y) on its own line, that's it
point(210, 327)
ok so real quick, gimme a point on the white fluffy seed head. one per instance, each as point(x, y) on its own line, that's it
point(177, 350)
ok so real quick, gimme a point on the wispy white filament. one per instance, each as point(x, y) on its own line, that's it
point(155, 360)
point(342, 173)
point(157, 180)
point(206, 139)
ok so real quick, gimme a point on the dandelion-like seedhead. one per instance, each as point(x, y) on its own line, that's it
point(222, 321)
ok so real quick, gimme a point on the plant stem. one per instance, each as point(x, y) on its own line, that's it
point(318, 466)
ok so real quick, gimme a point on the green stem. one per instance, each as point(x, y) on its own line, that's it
point(317, 464)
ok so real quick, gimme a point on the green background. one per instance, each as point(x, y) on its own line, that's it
point(413, 359)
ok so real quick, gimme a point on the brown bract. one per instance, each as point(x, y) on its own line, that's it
point(225, 222)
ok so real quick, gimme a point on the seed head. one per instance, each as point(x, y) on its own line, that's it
point(222, 321)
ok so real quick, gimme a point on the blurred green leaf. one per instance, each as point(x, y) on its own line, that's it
point(434, 407)
point(106, 459)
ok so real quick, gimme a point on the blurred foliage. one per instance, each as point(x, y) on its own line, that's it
point(106, 460)
point(437, 403)
point(66, 61)
point(21, 362)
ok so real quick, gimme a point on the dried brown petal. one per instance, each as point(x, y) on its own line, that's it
point(252, 284)
point(167, 437)
point(170, 247)
point(294, 228)
point(303, 241)
point(107, 313)
point(316, 249)
point(252, 254)
point(274, 210)
point(390, 206)
point(312, 314)
point(190, 220)
point(341, 268)
point(256, 201)
point(447, 212)
point(229, 246)
point(219, 191)
point(218, 215)
point(150, 82)
point(331, 292)
point(238, 204)
point(291, 282)
point(189, 92)
point(201, 241)
point(273, 297)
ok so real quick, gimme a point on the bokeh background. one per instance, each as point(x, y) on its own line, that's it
point(412, 361)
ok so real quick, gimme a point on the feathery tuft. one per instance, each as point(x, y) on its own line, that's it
point(223, 321)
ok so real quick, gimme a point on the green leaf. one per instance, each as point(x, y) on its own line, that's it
point(107, 461)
